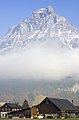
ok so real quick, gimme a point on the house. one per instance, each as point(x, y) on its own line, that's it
point(24, 113)
point(8, 107)
point(53, 107)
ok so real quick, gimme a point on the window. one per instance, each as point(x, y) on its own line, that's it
point(9, 109)
point(2, 109)
point(5, 109)
point(47, 102)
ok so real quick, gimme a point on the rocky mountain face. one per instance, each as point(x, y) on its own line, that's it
point(44, 27)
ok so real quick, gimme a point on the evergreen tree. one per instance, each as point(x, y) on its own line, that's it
point(25, 104)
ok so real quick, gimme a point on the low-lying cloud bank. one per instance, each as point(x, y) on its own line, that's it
point(39, 64)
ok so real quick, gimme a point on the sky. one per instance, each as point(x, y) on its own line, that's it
point(14, 11)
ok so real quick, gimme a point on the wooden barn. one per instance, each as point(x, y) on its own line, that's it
point(54, 107)
point(8, 107)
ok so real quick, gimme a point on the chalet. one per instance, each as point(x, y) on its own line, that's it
point(8, 107)
point(53, 107)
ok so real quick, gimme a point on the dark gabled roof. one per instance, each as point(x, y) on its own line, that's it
point(20, 111)
point(63, 104)
point(13, 105)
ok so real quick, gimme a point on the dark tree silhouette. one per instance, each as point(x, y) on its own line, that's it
point(25, 104)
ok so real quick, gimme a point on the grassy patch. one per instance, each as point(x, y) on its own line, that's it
point(39, 119)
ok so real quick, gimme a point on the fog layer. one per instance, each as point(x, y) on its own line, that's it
point(39, 64)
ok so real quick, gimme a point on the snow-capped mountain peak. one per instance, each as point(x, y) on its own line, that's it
point(44, 27)
point(41, 13)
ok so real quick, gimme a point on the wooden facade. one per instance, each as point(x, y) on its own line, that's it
point(47, 107)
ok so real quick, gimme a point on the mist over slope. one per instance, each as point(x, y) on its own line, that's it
point(37, 64)
point(17, 91)
point(40, 55)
